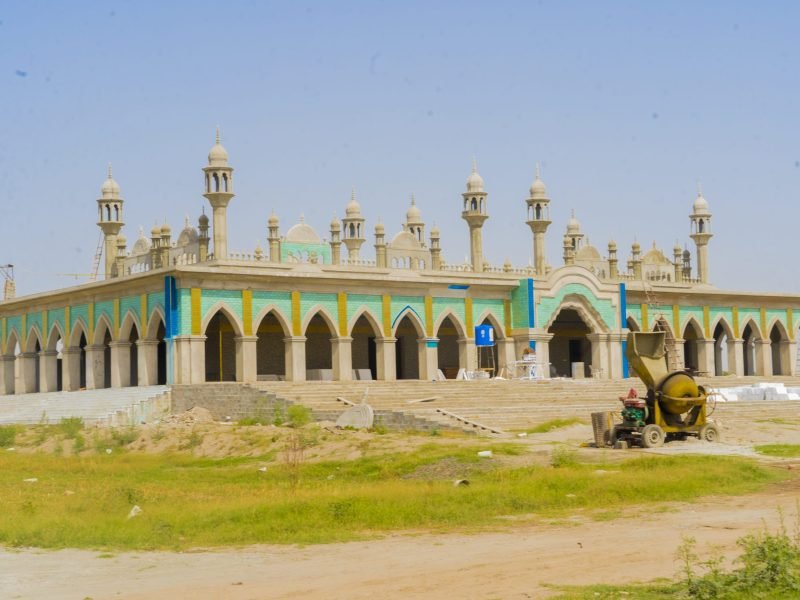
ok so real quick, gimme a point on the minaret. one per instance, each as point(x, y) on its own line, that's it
point(202, 238)
point(636, 259)
point(219, 191)
point(109, 208)
point(336, 241)
point(122, 243)
point(701, 233)
point(569, 251)
point(687, 265)
point(414, 223)
point(273, 238)
point(574, 234)
point(353, 224)
point(613, 268)
point(166, 244)
point(538, 220)
point(155, 247)
point(677, 262)
point(380, 246)
point(436, 249)
point(475, 215)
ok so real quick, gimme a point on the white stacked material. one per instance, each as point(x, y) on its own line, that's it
point(758, 391)
point(111, 405)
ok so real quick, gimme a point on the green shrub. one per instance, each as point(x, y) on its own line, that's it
point(563, 456)
point(8, 435)
point(298, 415)
point(123, 437)
point(70, 426)
point(247, 421)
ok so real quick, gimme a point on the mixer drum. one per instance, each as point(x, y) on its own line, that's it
point(679, 393)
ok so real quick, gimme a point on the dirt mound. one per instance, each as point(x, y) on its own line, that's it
point(194, 415)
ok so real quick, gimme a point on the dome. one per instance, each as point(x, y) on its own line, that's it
point(273, 220)
point(218, 156)
point(405, 241)
point(435, 232)
point(700, 205)
point(572, 225)
point(538, 190)
point(302, 233)
point(142, 245)
point(635, 247)
point(588, 252)
point(353, 207)
point(155, 231)
point(203, 220)
point(188, 235)
point(380, 229)
point(336, 225)
point(110, 187)
point(474, 181)
point(612, 246)
point(413, 214)
point(654, 256)
point(121, 239)
point(166, 229)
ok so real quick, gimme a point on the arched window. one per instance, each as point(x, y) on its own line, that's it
point(225, 182)
point(352, 230)
point(216, 182)
point(116, 212)
point(701, 226)
point(538, 211)
point(474, 204)
point(108, 212)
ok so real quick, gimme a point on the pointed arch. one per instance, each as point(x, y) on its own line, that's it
point(78, 329)
point(447, 313)
point(270, 344)
point(12, 341)
point(103, 325)
point(34, 336)
point(583, 307)
point(779, 344)
point(754, 327)
point(777, 325)
point(56, 333)
point(364, 329)
point(721, 321)
point(488, 315)
point(155, 319)
point(230, 314)
point(413, 318)
point(692, 323)
point(279, 316)
point(752, 350)
point(320, 310)
point(694, 351)
point(374, 322)
point(450, 352)
point(129, 321)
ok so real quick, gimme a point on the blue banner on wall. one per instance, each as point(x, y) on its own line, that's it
point(170, 307)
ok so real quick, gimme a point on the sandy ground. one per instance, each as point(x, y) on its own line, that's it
point(513, 564)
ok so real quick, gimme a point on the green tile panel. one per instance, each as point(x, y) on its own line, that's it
point(309, 300)
point(548, 305)
point(281, 300)
point(230, 298)
point(452, 305)
point(399, 303)
point(357, 302)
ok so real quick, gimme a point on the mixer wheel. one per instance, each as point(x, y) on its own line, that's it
point(709, 433)
point(652, 436)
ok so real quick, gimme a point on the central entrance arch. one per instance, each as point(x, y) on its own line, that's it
point(449, 354)
point(751, 349)
point(220, 348)
point(271, 348)
point(410, 337)
point(364, 350)
point(570, 343)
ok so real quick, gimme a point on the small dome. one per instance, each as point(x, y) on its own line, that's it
point(687, 255)
point(142, 245)
point(435, 232)
point(538, 190)
point(218, 156)
point(380, 229)
point(654, 256)
point(474, 182)
point(166, 229)
point(588, 252)
point(155, 231)
point(336, 224)
point(405, 241)
point(273, 220)
point(203, 220)
point(110, 187)
point(413, 214)
point(636, 247)
point(676, 249)
point(612, 246)
point(303, 233)
point(572, 225)
point(121, 239)
point(187, 236)
point(353, 207)
point(700, 205)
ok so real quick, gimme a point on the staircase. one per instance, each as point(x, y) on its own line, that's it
point(111, 406)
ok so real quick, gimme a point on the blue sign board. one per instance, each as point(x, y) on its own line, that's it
point(484, 335)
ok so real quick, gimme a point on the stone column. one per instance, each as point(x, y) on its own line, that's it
point(190, 358)
point(71, 369)
point(705, 356)
point(428, 358)
point(246, 358)
point(95, 364)
point(505, 355)
point(148, 361)
point(738, 357)
point(789, 350)
point(48, 371)
point(295, 358)
point(120, 364)
point(342, 359)
point(467, 354)
point(763, 357)
point(615, 340)
point(385, 357)
point(27, 362)
point(600, 354)
point(6, 375)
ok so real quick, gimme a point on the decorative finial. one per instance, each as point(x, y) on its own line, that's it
point(474, 165)
point(109, 171)
point(413, 202)
point(538, 171)
point(218, 134)
point(699, 188)
point(302, 218)
point(573, 213)
point(352, 194)
point(185, 220)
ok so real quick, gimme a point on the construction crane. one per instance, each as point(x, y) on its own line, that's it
point(9, 287)
point(97, 255)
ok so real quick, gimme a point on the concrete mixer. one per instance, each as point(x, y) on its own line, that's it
point(675, 406)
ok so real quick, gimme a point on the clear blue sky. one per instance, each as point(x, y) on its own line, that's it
point(626, 105)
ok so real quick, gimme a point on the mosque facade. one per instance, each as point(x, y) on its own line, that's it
point(187, 310)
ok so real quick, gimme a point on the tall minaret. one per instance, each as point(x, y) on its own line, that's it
point(336, 241)
point(414, 223)
point(274, 238)
point(538, 221)
point(219, 191)
point(475, 215)
point(701, 233)
point(109, 207)
point(353, 228)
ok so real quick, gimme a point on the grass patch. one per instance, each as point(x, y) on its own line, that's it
point(70, 427)
point(554, 424)
point(190, 502)
point(8, 435)
point(781, 450)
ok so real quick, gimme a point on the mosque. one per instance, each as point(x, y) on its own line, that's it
point(187, 310)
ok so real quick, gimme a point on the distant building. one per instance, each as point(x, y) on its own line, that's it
point(190, 310)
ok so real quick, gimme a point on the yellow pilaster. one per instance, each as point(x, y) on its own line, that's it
point(3, 335)
point(341, 305)
point(707, 322)
point(735, 314)
point(45, 332)
point(247, 311)
point(297, 324)
point(67, 325)
point(790, 323)
point(645, 322)
point(429, 316)
point(676, 320)
point(468, 317)
point(197, 316)
point(507, 316)
point(764, 323)
point(386, 302)
point(143, 316)
point(116, 318)
point(90, 324)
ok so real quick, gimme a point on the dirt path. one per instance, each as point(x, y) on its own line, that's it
point(512, 564)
